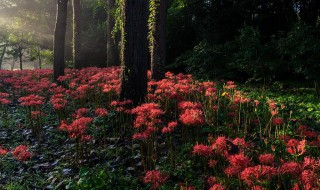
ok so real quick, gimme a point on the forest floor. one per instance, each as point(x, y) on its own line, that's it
point(189, 134)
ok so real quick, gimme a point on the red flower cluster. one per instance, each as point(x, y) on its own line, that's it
point(148, 117)
point(296, 147)
point(266, 159)
point(237, 162)
point(202, 150)
point(3, 151)
point(31, 100)
point(257, 173)
point(122, 106)
point(58, 101)
point(191, 113)
point(101, 112)
point(155, 178)
point(21, 153)
point(277, 121)
point(77, 129)
point(170, 128)
point(4, 98)
point(37, 114)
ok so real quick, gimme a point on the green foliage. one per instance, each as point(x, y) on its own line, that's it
point(204, 61)
point(301, 48)
point(103, 179)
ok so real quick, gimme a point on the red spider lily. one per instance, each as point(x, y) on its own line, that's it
point(121, 106)
point(4, 95)
point(240, 142)
point(272, 104)
point(309, 180)
point(101, 112)
point(210, 91)
point(257, 187)
point(217, 187)
point(192, 117)
point(148, 116)
point(277, 121)
point(21, 153)
point(4, 98)
point(81, 112)
point(58, 101)
point(220, 146)
point(291, 168)
point(212, 180)
point(237, 162)
point(309, 163)
point(296, 187)
point(257, 173)
point(184, 186)
point(274, 112)
point(4, 101)
point(202, 150)
point(296, 147)
point(37, 114)
point(78, 128)
point(3, 152)
point(189, 105)
point(303, 131)
point(155, 178)
point(230, 85)
point(31, 100)
point(170, 128)
point(267, 159)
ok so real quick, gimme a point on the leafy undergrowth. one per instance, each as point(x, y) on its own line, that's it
point(188, 135)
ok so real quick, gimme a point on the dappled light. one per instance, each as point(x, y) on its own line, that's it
point(159, 94)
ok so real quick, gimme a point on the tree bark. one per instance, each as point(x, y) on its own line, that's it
point(113, 57)
point(134, 50)
point(39, 57)
point(20, 57)
point(2, 54)
point(59, 39)
point(158, 40)
point(76, 5)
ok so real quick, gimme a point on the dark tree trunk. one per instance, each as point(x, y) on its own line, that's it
point(20, 57)
point(76, 5)
point(113, 57)
point(158, 41)
point(134, 50)
point(39, 57)
point(59, 39)
point(2, 54)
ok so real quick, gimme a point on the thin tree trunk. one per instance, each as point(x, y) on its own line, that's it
point(20, 57)
point(112, 47)
point(76, 4)
point(134, 51)
point(59, 39)
point(158, 40)
point(2, 54)
point(317, 89)
point(39, 57)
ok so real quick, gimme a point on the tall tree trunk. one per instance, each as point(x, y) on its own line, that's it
point(59, 39)
point(39, 57)
point(2, 54)
point(134, 50)
point(20, 57)
point(76, 5)
point(158, 40)
point(112, 47)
